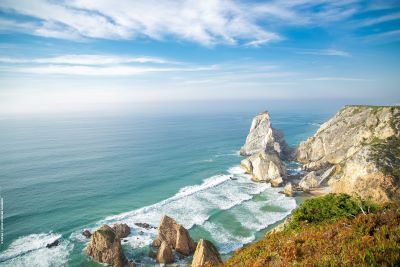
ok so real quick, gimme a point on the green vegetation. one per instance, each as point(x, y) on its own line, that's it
point(110, 235)
point(386, 155)
point(353, 236)
point(327, 209)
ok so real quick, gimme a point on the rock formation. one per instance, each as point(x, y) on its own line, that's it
point(105, 247)
point(263, 137)
point(309, 181)
point(355, 152)
point(165, 254)
point(206, 254)
point(175, 235)
point(288, 190)
point(265, 149)
point(87, 233)
point(122, 230)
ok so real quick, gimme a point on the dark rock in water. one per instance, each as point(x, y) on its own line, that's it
point(53, 244)
point(145, 226)
point(141, 233)
point(125, 240)
point(87, 233)
point(131, 264)
point(122, 230)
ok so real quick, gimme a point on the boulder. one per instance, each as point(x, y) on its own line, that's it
point(276, 182)
point(165, 254)
point(206, 254)
point(122, 230)
point(105, 247)
point(288, 190)
point(309, 181)
point(87, 233)
point(175, 235)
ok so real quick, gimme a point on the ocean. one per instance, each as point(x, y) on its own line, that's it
point(63, 174)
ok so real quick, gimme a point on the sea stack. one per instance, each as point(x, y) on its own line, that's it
point(265, 149)
point(105, 247)
point(356, 152)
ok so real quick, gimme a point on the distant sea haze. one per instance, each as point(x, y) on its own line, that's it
point(60, 176)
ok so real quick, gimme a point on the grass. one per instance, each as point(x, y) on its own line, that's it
point(341, 234)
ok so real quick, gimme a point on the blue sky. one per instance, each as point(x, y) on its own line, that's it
point(82, 54)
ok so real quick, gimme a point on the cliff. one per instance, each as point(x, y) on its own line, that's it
point(360, 144)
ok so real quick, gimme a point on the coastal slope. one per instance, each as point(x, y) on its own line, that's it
point(359, 147)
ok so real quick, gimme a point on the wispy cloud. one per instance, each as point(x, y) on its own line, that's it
point(378, 20)
point(88, 60)
point(344, 79)
point(118, 70)
point(208, 22)
point(325, 52)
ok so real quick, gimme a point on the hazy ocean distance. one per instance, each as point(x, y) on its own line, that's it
point(63, 174)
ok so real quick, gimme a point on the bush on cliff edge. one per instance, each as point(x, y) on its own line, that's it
point(334, 230)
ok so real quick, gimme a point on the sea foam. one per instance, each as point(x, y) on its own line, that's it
point(31, 251)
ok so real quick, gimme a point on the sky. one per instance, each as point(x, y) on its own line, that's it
point(90, 55)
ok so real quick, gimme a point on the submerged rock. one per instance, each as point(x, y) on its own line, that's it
point(206, 254)
point(87, 233)
point(105, 247)
point(145, 226)
point(53, 244)
point(165, 254)
point(122, 230)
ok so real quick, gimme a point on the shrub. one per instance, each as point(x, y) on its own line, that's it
point(371, 239)
point(327, 209)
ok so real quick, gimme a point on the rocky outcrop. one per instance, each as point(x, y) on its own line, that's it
point(288, 190)
point(165, 254)
point(175, 235)
point(105, 247)
point(309, 181)
point(122, 230)
point(206, 254)
point(265, 148)
point(351, 153)
point(264, 167)
point(263, 137)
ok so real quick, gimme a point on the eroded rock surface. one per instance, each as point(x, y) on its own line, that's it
point(175, 235)
point(105, 247)
point(165, 254)
point(206, 254)
point(359, 144)
point(122, 230)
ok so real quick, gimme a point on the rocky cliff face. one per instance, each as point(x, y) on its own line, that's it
point(358, 146)
point(265, 148)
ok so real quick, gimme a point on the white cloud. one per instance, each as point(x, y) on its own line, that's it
point(88, 60)
point(377, 20)
point(344, 79)
point(118, 70)
point(325, 52)
point(208, 22)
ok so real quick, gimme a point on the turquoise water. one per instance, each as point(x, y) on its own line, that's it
point(61, 175)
